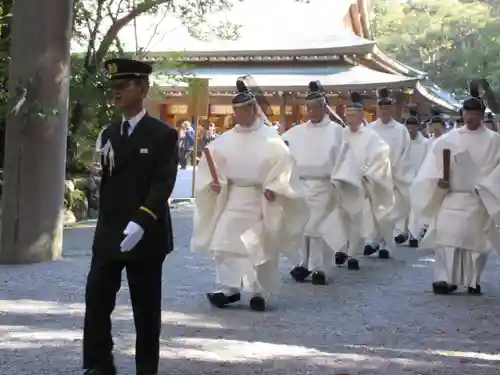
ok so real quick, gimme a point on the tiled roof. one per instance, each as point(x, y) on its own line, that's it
point(334, 77)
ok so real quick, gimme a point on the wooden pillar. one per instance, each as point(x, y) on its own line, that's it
point(296, 113)
point(339, 109)
point(400, 103)
point(35, 152)
point(283, 125)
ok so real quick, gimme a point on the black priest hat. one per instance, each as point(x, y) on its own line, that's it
point(413, 117)
point(384, 97)
point(436, 117)
point(316, 93)
point(244, 96)
point(474, 101)
point(356, 102)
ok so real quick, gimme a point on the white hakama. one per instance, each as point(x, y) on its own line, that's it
point(372, 156)
point(418, 151)
point(397, 137)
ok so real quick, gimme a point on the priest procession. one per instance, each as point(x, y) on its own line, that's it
point(330, 193)
point(229, 187)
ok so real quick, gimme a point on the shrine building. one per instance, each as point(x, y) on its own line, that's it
point(336, 48)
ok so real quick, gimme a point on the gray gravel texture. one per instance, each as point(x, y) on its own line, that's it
point(380, 320)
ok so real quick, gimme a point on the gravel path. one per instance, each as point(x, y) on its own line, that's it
point(381, 320)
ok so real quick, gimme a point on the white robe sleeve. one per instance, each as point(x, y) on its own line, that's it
point(346, 179)
point(349, 194)
point(286, 218)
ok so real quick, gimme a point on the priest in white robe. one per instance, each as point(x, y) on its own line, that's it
point(419, 146)
point(372, 157)
point(461, 195)
point(247, 211)
point(333, 188)
point(436, 125)
point(398, 139)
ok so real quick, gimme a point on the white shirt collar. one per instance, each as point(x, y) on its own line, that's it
point(133, 121)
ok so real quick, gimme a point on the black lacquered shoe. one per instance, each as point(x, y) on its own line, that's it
point(318, 278)
point(220, 300)
point(353, 264)
point(370, 249)
point(340, 258)
point(475, 291)
point(384, 254)
point(258, 303)
point(300, 273)
point(442, 287)
point(400, 239)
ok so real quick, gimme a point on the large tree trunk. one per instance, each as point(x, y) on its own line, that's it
point(6, 8)
point(35, 149)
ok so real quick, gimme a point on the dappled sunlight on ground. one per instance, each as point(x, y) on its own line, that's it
point(381, 320)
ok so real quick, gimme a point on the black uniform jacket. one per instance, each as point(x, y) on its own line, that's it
point(135, 186)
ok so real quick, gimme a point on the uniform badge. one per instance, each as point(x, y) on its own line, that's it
point(112, 68)
point(144, 151)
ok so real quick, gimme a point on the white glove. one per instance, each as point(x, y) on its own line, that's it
point(133, 233)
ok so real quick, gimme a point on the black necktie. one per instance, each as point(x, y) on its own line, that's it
point(125, 130)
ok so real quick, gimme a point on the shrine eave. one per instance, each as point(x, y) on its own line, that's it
point(362, 48)
point(288, 79)
point(439, 97)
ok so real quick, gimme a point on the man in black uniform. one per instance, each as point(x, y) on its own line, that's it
point(134, 232)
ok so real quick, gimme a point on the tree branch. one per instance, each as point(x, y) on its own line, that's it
point(120, 23)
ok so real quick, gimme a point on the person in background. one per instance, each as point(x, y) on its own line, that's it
point(372, 157)
point(186, 143)
point(397, 137)
point(489, 122)
point(208, 135)
point(276, 126)
point(437, 125)
point(419, 146)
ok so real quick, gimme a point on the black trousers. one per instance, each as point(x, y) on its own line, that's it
point(103, 283)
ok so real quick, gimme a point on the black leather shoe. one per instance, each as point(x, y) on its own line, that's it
point(300, 273)
point(318, 278)
point(220, 300)
point(340, 258)
point(258, 303)
point(353, 264)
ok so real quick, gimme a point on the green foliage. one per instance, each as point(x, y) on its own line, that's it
point(97, 25)
point(73, 199)
point(452, 40)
